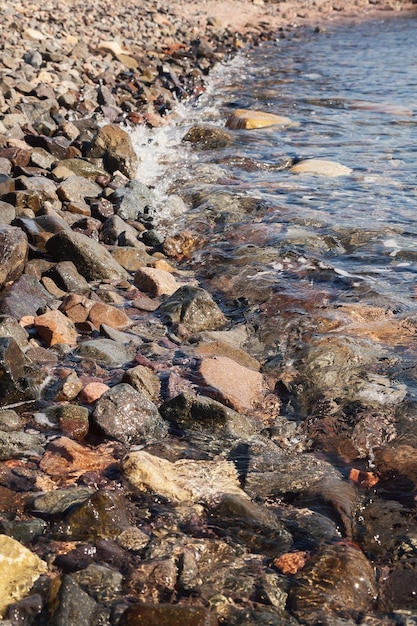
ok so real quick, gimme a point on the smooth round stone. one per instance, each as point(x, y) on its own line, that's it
point(320, 167)
point(249, 120)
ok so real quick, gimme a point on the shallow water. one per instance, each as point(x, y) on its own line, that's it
point(322, 270)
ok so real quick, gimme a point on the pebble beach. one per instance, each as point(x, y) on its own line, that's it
point(145, 465)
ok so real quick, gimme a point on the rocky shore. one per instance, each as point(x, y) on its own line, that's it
point(147, 474)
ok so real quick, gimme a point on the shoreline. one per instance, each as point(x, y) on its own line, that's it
point(133, 410)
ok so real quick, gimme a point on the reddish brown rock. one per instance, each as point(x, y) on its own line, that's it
point(92, 392)
point(231, 383)
point(76, 307)
point(54, 327)
point(101, 313)
point(156, 282)
point(65, 460)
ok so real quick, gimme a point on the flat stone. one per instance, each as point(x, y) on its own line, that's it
point(145, 380)
point(106, 352)
point(128, 415)
point(131, 258)
point(249, 120)
point(101, 313)
point(320, 167)
point(77, 188)
point(20, 568)
point(184, 481)
point(15, 445)
point(225, 380)
point(90, 258)
point(155, 282)
point(84, 168)
point(55, 327)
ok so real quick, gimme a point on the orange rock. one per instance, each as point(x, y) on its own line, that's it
point(54, 327)
point(249, 120)
point(227, 381)
point(101, 313)
point(156, 282)
point(291, 562)
point(363, 479)
point(76, 307)
point(65, 460)
point(92, 392)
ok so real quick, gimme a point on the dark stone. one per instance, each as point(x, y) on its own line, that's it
point(25, 297)
point(194, 308)
point(20, 380)
point(167, 615)
point(207, 137)
point(66, 277)
point(128, 415)
point(91, 259)
point(76, 607)
point(132, 200)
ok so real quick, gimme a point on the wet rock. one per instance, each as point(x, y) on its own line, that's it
point(247, 119)
point(82, 167)
point(128, 415)
point(208, 137)
point(14, 251)
point(10, 327)
point(133, 539)
point(155, 282)
point(167, 615)
point(226, 349)
point(59, 501)
point(65, 460)
point(102, 515)
point(23, 298)
point(339, 581)
point(252, 525)
point(201, 414)
point(20, 569)
point(183, 481)
point(102, 583)
point(20, 379)
point(90, 258)
point(106, 352)
point(54, 327)
point(114, 146)
point(14, 445)
point(41, 228)
point(67, 277)
point(399, 591)
point(133, 200)
point(144, 380)
point(73, 421)
point(75, 606)
point(320, 167)
point(25, 611)
point(237, 386)
point(193, 308)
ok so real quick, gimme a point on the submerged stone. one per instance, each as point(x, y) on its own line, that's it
point(167, 615)
point(207, 137)
point(320, 167)
point(183, 481)
point(338, 581)
point(249, 120)
point(20, 379)
point(20, 568)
